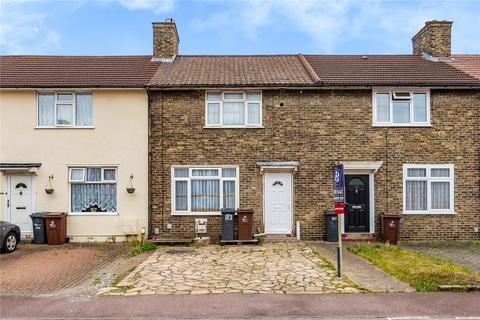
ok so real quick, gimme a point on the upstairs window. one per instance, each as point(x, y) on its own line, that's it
point(401, 108)
point(64, 109)
point(236, 109)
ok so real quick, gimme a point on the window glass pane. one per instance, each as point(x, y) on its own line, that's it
point(76, 174)
point(416, 172)
point(84, 109)
point(213, 113)
point(46, 109)
point(94, 174)
point(181, 195)
point(401, 94)
point(233, 113)
point(180, 172)
point(401, 111)
point(205, 195)
point(254, 113)
point(420, 107)
point(65, 96)
point(213, 96)
point(444, 172)
point(233, 96)
point(440, 195)
point(383, 107)
point(204, 172)
point(229, 172)
point(65, 114)
point(229, 194)
point(254, 96)
point(109, 174)
point(416, 195)
point(94, 197)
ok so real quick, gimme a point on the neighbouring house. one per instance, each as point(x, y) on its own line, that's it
point(263, 132)
point(258, 131)
point(73, 137)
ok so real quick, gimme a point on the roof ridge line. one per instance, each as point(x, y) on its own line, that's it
point(309, 69)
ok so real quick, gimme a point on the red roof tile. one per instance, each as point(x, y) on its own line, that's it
point(468, 63)
point(75, 71)
point(386, 70)
point(231, 71)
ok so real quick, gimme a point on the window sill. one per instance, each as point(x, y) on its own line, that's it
point(435, 213)
point(85, 127)
point(233, 127)
point(196, 214)
point(93, 214)
point(402, 125)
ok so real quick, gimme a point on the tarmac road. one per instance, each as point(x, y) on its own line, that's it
point(230, 306)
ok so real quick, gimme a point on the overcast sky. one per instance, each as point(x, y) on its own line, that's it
point(123, 27)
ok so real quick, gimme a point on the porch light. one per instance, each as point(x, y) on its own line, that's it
point(130, 188)
point(48, 187)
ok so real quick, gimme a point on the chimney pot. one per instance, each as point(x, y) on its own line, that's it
point(434, 39)
point(165, 40)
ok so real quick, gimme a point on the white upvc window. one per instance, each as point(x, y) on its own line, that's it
point(93, 190)
point(233, 109)
point(64, 109)
point(401, 107)
point(428, 189)
point(204, 190)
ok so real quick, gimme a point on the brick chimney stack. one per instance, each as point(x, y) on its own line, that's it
point(165, 40)
point(434, 39)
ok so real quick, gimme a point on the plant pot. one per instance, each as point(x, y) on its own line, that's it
point(49, 191)
point(130, 190)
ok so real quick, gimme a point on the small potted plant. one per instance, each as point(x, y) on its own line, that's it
point(48, 188)
point(130, 188)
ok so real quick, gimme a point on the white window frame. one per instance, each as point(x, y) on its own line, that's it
point(430, 179)
point(245, 102)
point(57, 102)
point(189, 212)
point(391, 92)
point(84, 181)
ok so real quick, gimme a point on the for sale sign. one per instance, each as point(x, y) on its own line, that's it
point(338, 183)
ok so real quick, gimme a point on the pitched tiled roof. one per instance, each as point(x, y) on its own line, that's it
point(231, 71)
point(387, 70)
point(75, 71)
point(468, 63)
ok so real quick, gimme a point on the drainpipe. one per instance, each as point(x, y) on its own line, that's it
point(149, 120)
point(386, 170)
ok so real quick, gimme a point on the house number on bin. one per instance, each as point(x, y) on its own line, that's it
point(52, 224)
point(244, 219)
point(229, 217)
point(392, 224)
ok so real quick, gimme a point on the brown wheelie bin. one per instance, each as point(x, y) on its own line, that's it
point(245, 224)
point(390, 228)
point(56, 223)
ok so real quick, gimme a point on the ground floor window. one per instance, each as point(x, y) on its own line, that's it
point(428, 188)
point(204, 190)
point(93, 189)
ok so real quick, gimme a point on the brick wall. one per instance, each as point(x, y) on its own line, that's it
point(317, 128)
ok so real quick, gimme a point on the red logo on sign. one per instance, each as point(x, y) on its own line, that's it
point(339, 208)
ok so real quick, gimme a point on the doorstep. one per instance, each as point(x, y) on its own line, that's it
point(360, 237)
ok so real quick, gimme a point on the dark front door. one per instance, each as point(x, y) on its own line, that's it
point(357, 217)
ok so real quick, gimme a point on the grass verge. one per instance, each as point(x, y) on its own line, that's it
point(136, 247)
point(424, 273)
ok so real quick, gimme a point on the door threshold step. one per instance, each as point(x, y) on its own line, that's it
point(359, 237)
point(273, 238)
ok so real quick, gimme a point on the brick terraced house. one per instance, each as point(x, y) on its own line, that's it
point(263, 132)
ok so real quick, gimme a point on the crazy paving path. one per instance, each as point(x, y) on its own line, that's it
point(269, 268)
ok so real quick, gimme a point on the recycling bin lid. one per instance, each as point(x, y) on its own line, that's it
point(330, 212)
point(227, 210)
point(37, 215)
point(247, 210)
point(54, 214)
point(391, 215)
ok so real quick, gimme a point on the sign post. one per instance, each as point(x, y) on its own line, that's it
point(339, 207)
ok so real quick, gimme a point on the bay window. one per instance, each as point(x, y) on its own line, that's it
point(428, 188)
point(401, 108)
point(93, 189)
point(204, 190)
point(235, 109)
point(64, 109)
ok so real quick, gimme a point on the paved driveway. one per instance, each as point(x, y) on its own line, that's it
point(269, 268)
point(41, 269)
point(464, 253)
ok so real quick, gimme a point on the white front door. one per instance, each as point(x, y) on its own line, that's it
point(278, 203)
point(21, 201)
